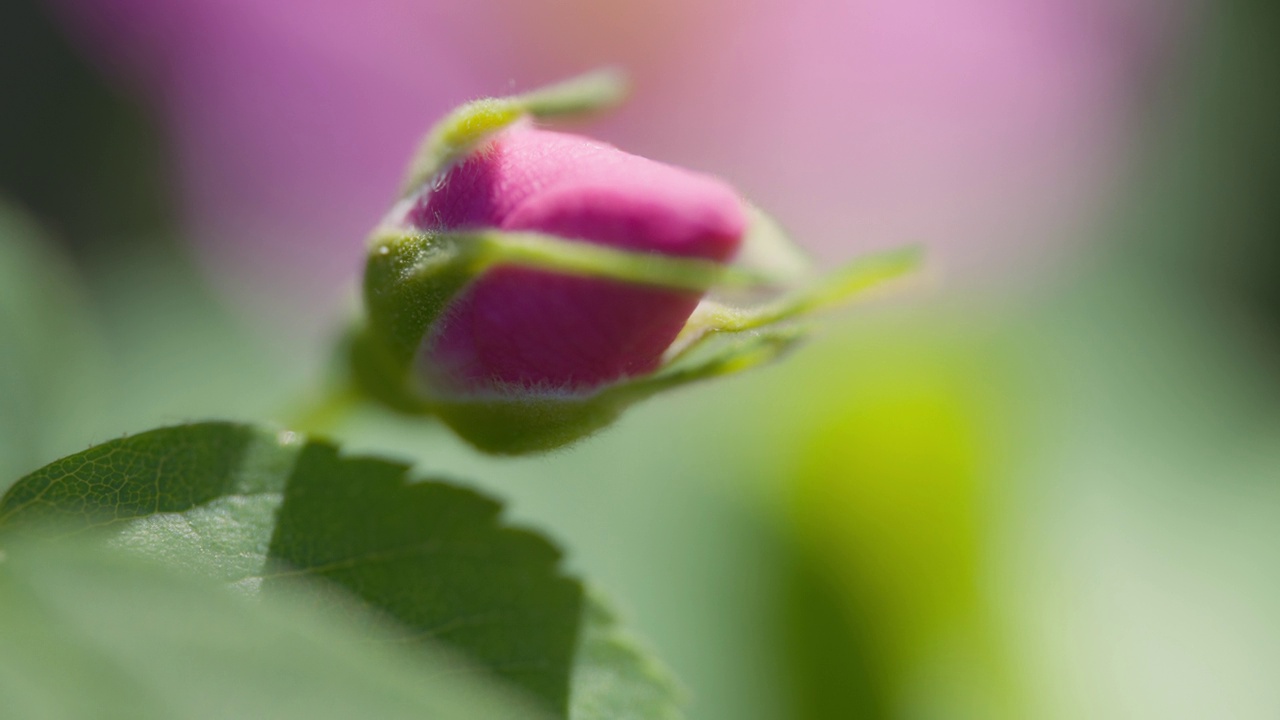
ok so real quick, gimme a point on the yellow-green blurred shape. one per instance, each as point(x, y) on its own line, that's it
point(892, 509)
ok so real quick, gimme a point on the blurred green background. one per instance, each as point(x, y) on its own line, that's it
point(1050, 490)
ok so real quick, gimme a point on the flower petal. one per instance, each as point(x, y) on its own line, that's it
point(522, 330)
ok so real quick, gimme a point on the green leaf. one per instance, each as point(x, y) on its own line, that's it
point(434, 557)
point(157, 472)
point(262, 510)
point(88, 633)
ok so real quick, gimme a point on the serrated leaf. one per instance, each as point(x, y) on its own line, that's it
point(261, 510)
point(434, 557)
point(87, 633)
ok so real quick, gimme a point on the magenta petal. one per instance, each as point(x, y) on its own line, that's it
point(518, 328)
point(515, 328)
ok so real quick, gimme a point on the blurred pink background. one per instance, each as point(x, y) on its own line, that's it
point(986, 129)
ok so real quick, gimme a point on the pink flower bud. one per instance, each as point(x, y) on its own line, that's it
point(530, 285)
point(515, 330)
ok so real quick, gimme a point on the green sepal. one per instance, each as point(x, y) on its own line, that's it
point(583, 259)
point(469, 126)
point(410, 278)
point(718, 342)
point(413, 276)
point(540, 422)
point(768, 250)
point(577, 97)
point(844, 285)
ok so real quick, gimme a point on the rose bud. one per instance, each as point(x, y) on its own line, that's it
point(531, 284)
